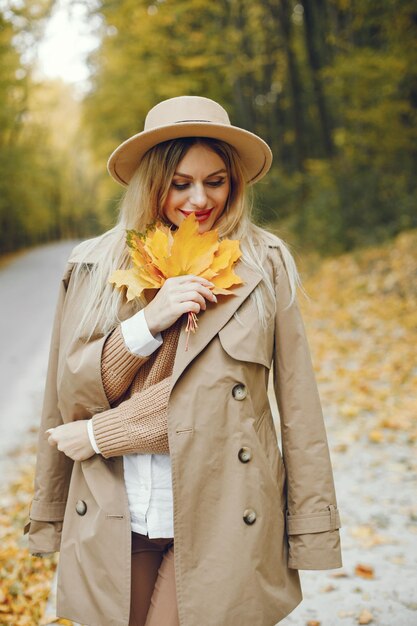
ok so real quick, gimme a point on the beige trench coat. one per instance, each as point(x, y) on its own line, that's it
point(242, 527)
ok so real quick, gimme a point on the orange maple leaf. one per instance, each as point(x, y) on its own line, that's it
point(160, 253)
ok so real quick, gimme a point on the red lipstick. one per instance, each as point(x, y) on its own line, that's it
point(200, 216)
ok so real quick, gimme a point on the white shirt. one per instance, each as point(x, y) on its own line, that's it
point(147, 477)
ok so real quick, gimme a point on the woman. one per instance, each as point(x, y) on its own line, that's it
point(159, 477)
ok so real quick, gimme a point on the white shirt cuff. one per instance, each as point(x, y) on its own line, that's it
point(91, 436)
point(138, 337)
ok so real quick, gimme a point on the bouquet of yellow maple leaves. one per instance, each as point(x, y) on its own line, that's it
point(160, 253)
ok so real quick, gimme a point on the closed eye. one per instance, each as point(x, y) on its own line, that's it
point(216, 183)
point(210, 183)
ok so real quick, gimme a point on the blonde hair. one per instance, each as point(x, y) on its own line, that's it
point(142, 203)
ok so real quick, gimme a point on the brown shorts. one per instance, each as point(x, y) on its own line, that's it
point(142, 543)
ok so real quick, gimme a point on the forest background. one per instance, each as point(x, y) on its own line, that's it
point(330, 84)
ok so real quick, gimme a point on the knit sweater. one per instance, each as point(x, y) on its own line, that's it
point(138, 390)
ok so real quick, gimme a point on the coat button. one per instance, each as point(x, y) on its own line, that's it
point(244, 454)
point(249, 516)
point(81, 507)
point(239, 392)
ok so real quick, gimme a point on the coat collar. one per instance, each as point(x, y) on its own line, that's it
point(213, 319)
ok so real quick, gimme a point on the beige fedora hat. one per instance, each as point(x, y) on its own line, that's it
point(189, 116)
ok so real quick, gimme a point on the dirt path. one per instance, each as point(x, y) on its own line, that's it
point(28, 287)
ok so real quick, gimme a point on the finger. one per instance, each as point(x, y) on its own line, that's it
point(51, 441)
point(194, 278)
point(204, 291)
point(49, 434)
point(207, 293)
point(193, 296)
point(185, 307)
point(190, 307)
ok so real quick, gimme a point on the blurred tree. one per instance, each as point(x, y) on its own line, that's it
point(372, 80)
point(330, 84)
point(47, 185)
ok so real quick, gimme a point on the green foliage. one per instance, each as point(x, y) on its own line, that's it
point(48, 186)
point(331, 85)
point(334, 92)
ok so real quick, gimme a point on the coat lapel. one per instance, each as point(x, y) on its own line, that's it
point(213, 319)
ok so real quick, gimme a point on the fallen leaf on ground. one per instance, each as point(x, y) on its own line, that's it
point(53, 619)
point(364, 571)
point(340, 574)
point(397, 560)
point(376, 436)
point(365, 617)
point(25, 581)
point(368, 537)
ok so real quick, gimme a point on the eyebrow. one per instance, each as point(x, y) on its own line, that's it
point(209, 176)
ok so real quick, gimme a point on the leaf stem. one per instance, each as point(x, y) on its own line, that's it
point(191, 327)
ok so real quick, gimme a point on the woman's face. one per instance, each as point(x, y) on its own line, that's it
point(200, 185)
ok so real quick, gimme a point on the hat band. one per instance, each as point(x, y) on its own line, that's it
point(181, 121)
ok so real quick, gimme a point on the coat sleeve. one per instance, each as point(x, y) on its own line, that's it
point(53, 468)
point(312, 517)
point(74, 390)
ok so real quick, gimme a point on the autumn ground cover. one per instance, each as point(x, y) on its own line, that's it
point(361, 320)
point(362, 326)
point(362, 323)
point(25, 581)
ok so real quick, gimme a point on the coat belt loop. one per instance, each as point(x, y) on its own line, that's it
point(333, 516)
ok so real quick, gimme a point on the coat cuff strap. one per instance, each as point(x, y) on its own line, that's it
point(47, 511)
point(314, 523)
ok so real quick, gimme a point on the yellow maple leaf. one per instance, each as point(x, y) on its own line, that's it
point(192, 252)
point(159, 254)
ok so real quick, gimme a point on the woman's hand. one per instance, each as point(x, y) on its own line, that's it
point(178, 295)
point(72, 439)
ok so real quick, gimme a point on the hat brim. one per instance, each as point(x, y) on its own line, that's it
point(255, 154)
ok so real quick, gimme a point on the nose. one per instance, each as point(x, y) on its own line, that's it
point(198, 196)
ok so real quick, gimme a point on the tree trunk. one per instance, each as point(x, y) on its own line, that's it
point(281, 14)
point(243, 85)
point(314, 57)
